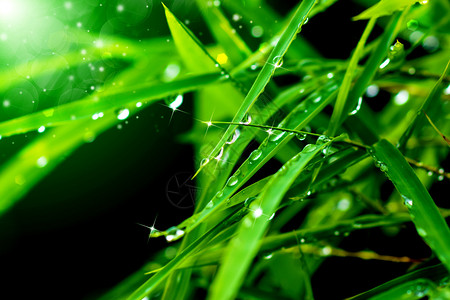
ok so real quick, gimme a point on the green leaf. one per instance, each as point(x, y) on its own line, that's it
point(193, 53)
point(242, 249)
point(227, 37)
point(150, 285)
point(430, 274)
point(346, 83)
point(39, 157)
point(100, 102)
point(373, 63)
point(426, 217)
point(268, 69)
point(384, 8)
point(433, 97)
point(298, 118)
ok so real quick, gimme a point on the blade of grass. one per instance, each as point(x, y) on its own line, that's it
point(433, 97)
point(373, 64)
point(268, 69)
point(426, 217)
point(384, 8)
point(242, 249)
point(447, 140)
point(38, 158)
point(86, 108)
point(346, 83)
point(298, 118)
point(150, 285)
point(433, 273)
point(225, 35)
point(416, 289)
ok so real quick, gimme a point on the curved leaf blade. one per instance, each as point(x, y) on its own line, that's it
point(429, 223)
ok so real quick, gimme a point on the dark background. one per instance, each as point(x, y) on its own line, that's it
point(75, 236)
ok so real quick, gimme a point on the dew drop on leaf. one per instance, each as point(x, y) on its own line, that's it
point(255, 155)
point(357, 108)
point(122, 114)
point(309, 148)
point(232, 181)
point(276, 136)
point(407, 201)
point(301, 136)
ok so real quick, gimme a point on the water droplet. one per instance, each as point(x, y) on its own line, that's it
point(326, 250)
point(316, 100)
point(407, 201)
point(301, 136)
point(176, 102)
point(277, 61)
point(430, 43)
point(272, 216)
point(401, 97)
point(249, 201)
point(122, 114)
point(171, 72)
point(268, 256)
point(41, 161)
point(372, 91)
point(430, 173)
point(440, 177)
point(257, 31)
point(219, 156)
point(412, 25)
point(255, 155)
point(343, 204)
point(277, 135)
point(219, 194)
point(385, 63)
point(357, 108)
point(232, 181)
point(210, 204)
point(247, 120)
point(357, 225)
point(383, 167)
point(441, 171)
point(323, 139)
point(234, 137)
point(327, 150)
point(421, 232)
point(204, 162)
point(309, 148)
point(173, 234)
point(336, 233)
point(257, 213)
point(41, 129)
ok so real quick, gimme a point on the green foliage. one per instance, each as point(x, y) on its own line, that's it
point(258, 229)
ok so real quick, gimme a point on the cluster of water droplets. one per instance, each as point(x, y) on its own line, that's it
point(171, 234)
